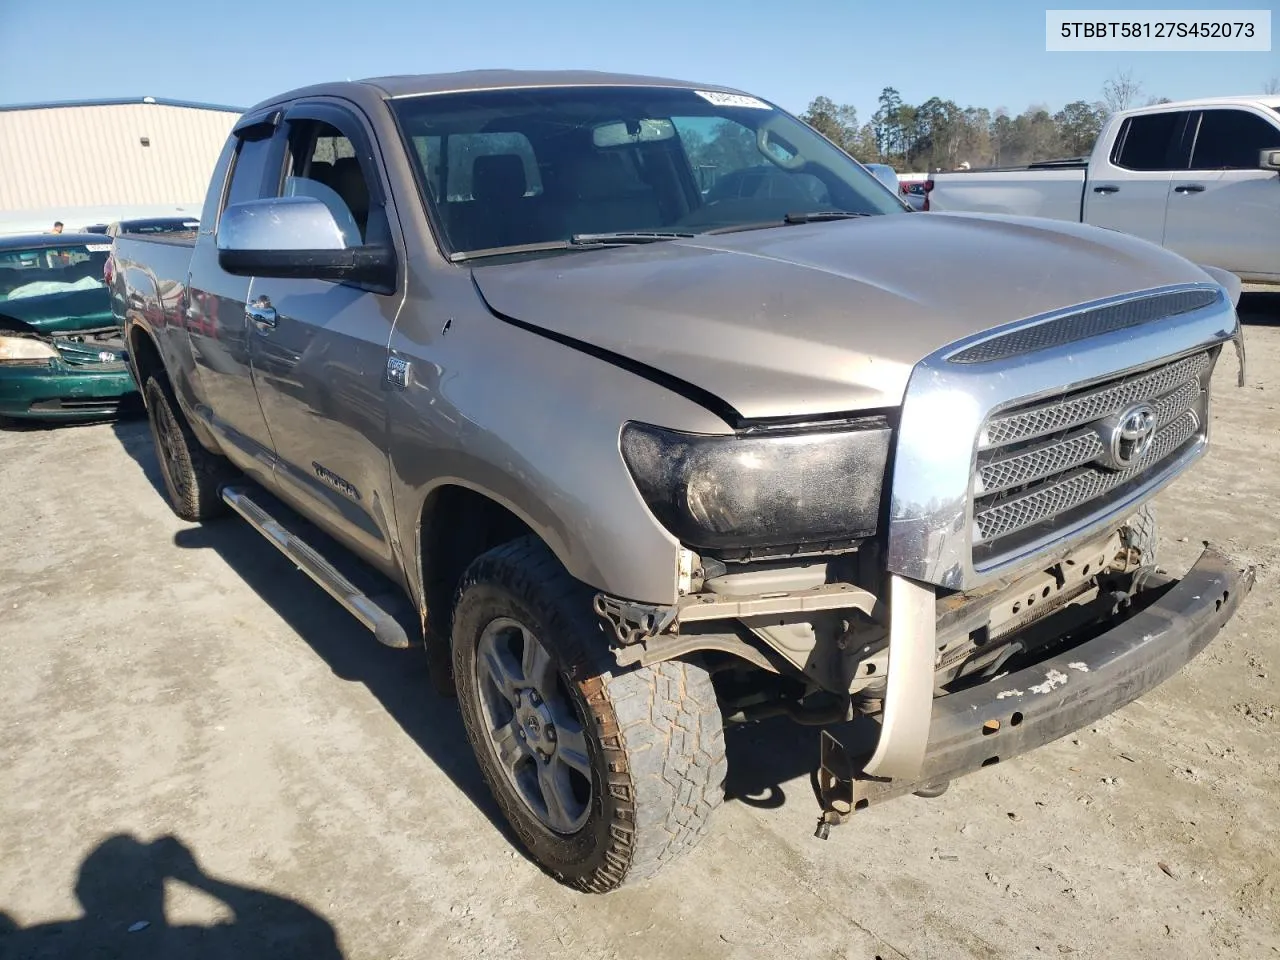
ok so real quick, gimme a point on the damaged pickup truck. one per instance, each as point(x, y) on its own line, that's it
point(648, 456)
point(61, 353)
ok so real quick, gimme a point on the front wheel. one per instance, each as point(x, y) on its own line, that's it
point(1143, 534)
point(604, 775)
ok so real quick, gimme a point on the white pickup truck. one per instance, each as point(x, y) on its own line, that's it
point(1199, 177)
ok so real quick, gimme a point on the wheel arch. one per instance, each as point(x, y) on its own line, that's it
point(457, 522)
point(147, 358)
point(144, 354)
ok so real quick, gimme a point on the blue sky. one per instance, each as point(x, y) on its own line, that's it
point(238, 52)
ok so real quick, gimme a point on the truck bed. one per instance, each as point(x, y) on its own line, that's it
point(1054, 190)
point(150, 274)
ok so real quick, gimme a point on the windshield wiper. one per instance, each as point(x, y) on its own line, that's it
point(628, 236)
point(576, 242)
point(512, 249)
point(817, 216)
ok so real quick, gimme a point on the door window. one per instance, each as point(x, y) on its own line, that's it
point(1232, 140)
point(1149, 142)
point(249, 168)
point(323, 164)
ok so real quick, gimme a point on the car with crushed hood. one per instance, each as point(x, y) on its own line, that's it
point(61, 351)
point(646, 448)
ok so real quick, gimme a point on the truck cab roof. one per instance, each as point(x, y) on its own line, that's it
point(1241, 101)
point(422, 84)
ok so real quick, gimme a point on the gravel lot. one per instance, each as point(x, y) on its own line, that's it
point(195, 738)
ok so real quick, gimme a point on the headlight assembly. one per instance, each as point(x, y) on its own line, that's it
point(25, 350)
point(780, 490)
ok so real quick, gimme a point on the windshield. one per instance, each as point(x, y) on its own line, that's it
point(530, 166)
point(173, 225)
point(47, 271)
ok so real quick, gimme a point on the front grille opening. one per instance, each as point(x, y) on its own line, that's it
point(1022, 539)
point(1047, 466)
point(1048, 417)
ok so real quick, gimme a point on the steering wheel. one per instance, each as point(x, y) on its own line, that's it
point(793, 162)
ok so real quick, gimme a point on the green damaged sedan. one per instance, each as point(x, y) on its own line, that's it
point(61, 354)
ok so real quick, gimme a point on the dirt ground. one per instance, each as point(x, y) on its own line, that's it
point(202, 755)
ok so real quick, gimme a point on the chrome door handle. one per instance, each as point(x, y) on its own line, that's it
point(1189, 188)
point(261, 313)
point(1106, 189)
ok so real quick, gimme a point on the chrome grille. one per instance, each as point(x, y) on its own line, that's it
point(1077, 487)
point(1050, 458)
point(1077, 448)
point(1090, 405)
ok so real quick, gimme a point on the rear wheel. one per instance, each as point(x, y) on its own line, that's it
point(192, 475)
point(604, 775)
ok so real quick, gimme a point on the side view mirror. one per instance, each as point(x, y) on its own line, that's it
point(297, 237)
point(1269, 160)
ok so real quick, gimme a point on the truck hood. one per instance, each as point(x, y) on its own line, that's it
point(826, 317)
point(72, 311)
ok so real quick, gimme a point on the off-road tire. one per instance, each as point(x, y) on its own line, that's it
point(655, 735)
point(1143, 534)
point(192, 475)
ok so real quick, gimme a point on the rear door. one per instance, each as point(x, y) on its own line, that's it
point(215, 314)
point(1128, 188)
point(1224, 211)
point(321, 363)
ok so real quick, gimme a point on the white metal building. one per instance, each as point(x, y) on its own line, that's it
point(108, 155)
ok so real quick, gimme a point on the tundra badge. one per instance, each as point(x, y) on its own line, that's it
point(397, 372)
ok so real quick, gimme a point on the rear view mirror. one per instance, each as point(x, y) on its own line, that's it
point(777, 149)
point(1269, 160)
point(624, 132)
point(297, 237)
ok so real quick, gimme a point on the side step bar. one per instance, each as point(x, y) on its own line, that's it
point(384, 626)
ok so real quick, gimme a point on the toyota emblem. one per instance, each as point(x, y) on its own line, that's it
point(1130, 435)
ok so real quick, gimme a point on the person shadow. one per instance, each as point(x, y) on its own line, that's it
point(121, 889)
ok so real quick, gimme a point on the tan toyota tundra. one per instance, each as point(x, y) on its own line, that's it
point(658, 412)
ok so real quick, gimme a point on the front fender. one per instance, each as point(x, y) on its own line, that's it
point(534, 425)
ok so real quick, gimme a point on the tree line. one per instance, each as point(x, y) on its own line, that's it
point(941, 135)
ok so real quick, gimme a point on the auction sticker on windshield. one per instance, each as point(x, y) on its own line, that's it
point(732, 100)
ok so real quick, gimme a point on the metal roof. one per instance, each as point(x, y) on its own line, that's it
point(128, 153)
point(1254, 100)
point(121, 101)
point(411, 84)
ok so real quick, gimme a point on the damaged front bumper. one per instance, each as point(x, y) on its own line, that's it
point(1002, 718)
point(81, 384)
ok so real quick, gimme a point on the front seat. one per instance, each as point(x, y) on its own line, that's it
point(498, 184)
point(349, 183)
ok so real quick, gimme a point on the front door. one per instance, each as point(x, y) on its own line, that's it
point(1127, 190)
point(1225, 211)
point(319, 348)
